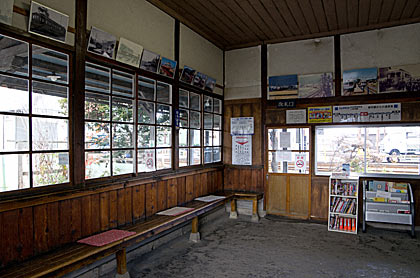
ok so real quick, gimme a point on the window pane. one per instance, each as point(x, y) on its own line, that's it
point(195, 139)
point(122, 162)
point(122, 136)
point(14, 133)
point(195, 101)
point(163, 93)
point(146, 136)
point(146, 88)
point(393, 150)
point(338, 146)
point(96, 107)
point(195, 156)
point(163, 159)
point(14, 172)
point(183, 118)
point(14, 95)
point(146, 161)
point(49, 134)
point(217, 106)
point(16, 60)
point(276, 166)
point(217, 138)
point(208, 155)
point(195, 119)
point(183, 157)
point(208, 104)
point(163, 136)
point(48, 99)
point(146, 112)
point(217, 124)
point(50, 168)
point(163, 114)
point(122, 84)
point(97, 164)
point(296, 138)
point(208, 138)
point(96, 135)
point(49, 65)
point(183, 137)
point(208, 121)
point(183, 98)
point(97, 78)
point(217, 154)
point(122, 110)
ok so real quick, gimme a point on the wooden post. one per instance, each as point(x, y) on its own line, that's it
point(255, 216)
point(121, 262)
point(195, 234)
point(233, 212)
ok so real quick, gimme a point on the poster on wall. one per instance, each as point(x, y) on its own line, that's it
point(47, 22)
point(210, 84)
point(283, 87)
point(242, 126)
point(316, 85)
point(296, 116)
point(6, 11)
point(242, 150)
point(360, 82)
point(383, 112)
point(199, 80)
point(399, 79)
point(167, 67)
point(320, 114)
point(102, 43)
point(150, 61)
point(187, 75)
point(129, 53)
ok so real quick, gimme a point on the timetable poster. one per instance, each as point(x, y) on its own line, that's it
point(384, 112)
point(322, 114)
point(242, 126)
point(242, 150)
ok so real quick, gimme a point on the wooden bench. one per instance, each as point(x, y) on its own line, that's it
point(75, 255)
point(254, 197)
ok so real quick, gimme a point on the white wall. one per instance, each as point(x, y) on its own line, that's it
point(243, 73)
point(380, 48)
point(135, 20)
point(201, 55)
point(66, 7)
point(301, 57)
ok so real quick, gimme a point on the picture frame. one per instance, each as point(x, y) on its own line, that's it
point(316, 85)
point(167, 67)
point(210, 84)
point(283, 87)
point(360, 82)
point(150, 61)
point(101, 43)
point(187, 75)
point(129, 53)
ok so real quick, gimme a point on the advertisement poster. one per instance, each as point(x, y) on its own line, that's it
point(321, 114)
point(242, 150)
point(384, 112)
point(242, 126)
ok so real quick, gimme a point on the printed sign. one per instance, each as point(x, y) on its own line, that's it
point(320, 114)
point(296, 116)
point(291, 103)
point(242, 126)
point(242, 150)
point(300, 161)
point(385, 112)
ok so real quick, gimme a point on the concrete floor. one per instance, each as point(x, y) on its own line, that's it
point(277, 247)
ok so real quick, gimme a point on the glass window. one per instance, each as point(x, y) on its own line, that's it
point(146, 88)
point(212, 126)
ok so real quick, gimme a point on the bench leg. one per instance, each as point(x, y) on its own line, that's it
point(122, 264)
point(233, 212)
point(255, 216)
point(195, 234)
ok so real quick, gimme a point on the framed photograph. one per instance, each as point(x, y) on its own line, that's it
point(129, 53)
point(167, 67)
point(47, 22)
point(6, 11)
point(210, 84)
point(187, 75)
point(101, 43)
point(316, 85)
point(360, 82)
point(283, 87)
point(150, 61)
point(399, 79)
point(200, 80)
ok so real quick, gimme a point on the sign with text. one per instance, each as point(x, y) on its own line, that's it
point(290, 103)
point(242, 126)
point(383, 112)
point(296, 116)
point(242, 150)
point(321, 114)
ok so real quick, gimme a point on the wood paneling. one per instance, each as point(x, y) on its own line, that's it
point(277, 195)
point(243, 179)
point(139, 202)
point(299, 195)
point(319, 197)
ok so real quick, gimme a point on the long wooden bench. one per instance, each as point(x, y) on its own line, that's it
point(75, 255)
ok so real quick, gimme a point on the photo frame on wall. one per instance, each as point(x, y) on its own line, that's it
point(399, 79)
point(316, 85)
point(360, 82)
point(47, 22)
point(6, 11)
point(167, 67)
point(283, 87)
point(187, 75)
point(150, 61)
point(101, 43)
point(210, 84)
point(129, 53)
point(200, 80)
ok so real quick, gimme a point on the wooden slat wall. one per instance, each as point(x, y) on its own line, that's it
point(34, 229)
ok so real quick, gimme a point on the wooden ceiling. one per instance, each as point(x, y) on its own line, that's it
point(231, 24)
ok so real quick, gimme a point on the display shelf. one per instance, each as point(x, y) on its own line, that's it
point(388, 202)
point(343, 204)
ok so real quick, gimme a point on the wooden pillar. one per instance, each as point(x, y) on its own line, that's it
point(121, 261)
point(233, 212)
point(195, 234)
point(255, 216)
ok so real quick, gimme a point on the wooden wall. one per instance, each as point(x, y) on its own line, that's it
point(32, 227)
point(243, 178)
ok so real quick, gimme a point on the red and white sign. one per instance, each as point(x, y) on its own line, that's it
point(300, 161)
point(242, 150)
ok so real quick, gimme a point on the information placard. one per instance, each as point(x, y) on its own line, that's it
point(383, 112)
point(296, 116)
point(242, 150)
point(242, 126)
